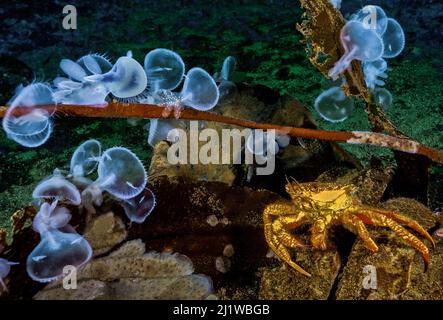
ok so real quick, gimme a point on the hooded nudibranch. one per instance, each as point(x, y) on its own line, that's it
point(95, 63)
point(84, 93)
point(25, 121)
point(58, 188)
point(336, 4)
point(121, 173)
point(393, 39)
point(126, 79)
point(373, 17)
point(383, 97)
point(5, 268)
point(56, 251)
point(359, 43)
point(162, 129)
point(333, 105)
point(165, 69)
point(140, 207)
point(227, 89)
point(50, 217)
point(373, 71)
point(228, 68)
point(76, 90)
point(85, 158)
point(199, 91)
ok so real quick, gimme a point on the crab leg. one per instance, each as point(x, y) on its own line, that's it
point(318, 234)
point(353, 222)
point(280, 229)
point(406, 222)
point(271, 238)
point(372, 217)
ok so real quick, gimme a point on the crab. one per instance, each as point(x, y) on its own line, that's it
point(322, 205)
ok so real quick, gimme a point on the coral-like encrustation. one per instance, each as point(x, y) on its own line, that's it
point(129, 273)
point(104, 232)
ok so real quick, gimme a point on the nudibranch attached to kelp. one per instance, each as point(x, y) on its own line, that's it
point(226, 88)
point(373, 71)
point(84, 161)
point(76, 90)
point(57, 188)
point(164, 68)
point(333, 105)
point(32, 125)
point(126, 79)
point(393, 39)
point(199, 92)
point(379, 34)
point(359, 43)
point(123, 176)
point(121, 173)
point(373, 17)
point(383, 97)
point(56, 251)
point(92, 79)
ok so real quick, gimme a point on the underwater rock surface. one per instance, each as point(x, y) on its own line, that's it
point(218, 231)
point(399, 268)
point(130, 274)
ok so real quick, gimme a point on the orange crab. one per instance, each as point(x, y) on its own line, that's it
point(324, 204)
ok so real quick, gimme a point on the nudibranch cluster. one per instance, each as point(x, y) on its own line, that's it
point(119, 173)
point(93, 80)
point(370, 37)
point(216, 91)
point(263, 145)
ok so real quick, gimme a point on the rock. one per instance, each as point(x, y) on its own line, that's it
point(130, 274)
point(399, 268)
point(284, 283)
point(104, 232)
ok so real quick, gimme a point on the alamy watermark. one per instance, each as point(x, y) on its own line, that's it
point(370, 279)
point(207, 147)
point(370, 20)
point(70, 277)
point(70, 20)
